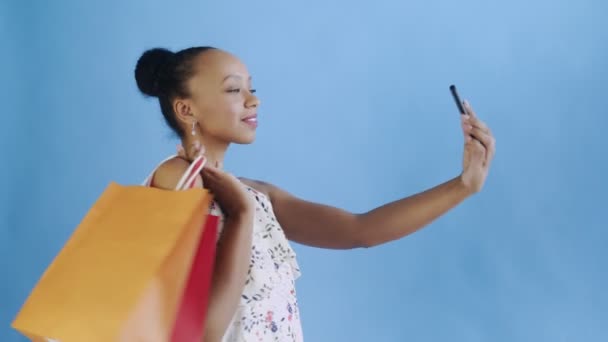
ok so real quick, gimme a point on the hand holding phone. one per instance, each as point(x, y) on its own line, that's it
point(479, 148)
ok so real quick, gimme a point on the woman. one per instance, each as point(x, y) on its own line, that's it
point(205, 96)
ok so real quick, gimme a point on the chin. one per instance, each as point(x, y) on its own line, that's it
point(245, 140)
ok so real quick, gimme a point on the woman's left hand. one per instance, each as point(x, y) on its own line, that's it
point(479, 149)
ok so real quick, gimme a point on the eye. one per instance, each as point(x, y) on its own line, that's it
point(238, 90)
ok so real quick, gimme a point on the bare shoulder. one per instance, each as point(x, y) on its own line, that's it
point(169, 173)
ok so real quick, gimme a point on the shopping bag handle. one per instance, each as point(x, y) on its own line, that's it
point(189, 177)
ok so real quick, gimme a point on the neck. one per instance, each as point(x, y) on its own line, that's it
point(214, 150)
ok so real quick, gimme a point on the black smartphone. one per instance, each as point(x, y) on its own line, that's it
point(459, 102)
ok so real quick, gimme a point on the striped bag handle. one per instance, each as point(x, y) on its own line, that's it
point(188, 178)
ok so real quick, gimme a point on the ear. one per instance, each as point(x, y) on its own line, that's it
point(183, 111)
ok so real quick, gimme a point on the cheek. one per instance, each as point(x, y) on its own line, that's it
point(222, 114)
point(233, 108)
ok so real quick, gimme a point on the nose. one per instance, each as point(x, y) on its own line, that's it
point(252, 101)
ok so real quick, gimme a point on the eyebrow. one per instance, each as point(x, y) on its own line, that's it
point(234, 76)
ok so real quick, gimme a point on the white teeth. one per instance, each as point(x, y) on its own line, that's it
point(252, 120)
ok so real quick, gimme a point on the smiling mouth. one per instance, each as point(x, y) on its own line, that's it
point(251, 121)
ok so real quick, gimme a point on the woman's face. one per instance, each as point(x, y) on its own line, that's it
point(222, 99)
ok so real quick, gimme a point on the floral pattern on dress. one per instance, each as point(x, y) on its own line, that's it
point(268, 309)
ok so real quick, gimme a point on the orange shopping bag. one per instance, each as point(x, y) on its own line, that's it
point(124, 273)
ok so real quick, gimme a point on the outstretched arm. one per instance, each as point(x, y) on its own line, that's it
point(329, 227)
point(325, 226)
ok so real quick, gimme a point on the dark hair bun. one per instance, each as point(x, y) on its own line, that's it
point(149, 69)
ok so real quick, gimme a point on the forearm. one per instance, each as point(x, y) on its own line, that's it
point(231, 262)
point(400, 218)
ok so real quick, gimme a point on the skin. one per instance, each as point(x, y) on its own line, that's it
point(220, 97)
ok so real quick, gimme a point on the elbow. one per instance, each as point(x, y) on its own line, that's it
point(362, 237)
point(366, 243)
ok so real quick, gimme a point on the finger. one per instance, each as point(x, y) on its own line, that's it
point(210, 169)
point(466, 131)
point(484, 138)
point(210, 178)
point(475, 153)
point(214, 172)
point(475, 122)
point(472, 118)
point(491, 151)
point(488, 142)
point(475, 135)
point(469, 109)
point(479, 150)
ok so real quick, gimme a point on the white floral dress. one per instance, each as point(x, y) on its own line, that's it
point(268, 308)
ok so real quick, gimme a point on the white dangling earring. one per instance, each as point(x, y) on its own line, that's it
point(194, 128)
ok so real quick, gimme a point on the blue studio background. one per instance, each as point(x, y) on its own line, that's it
point(356, 112)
